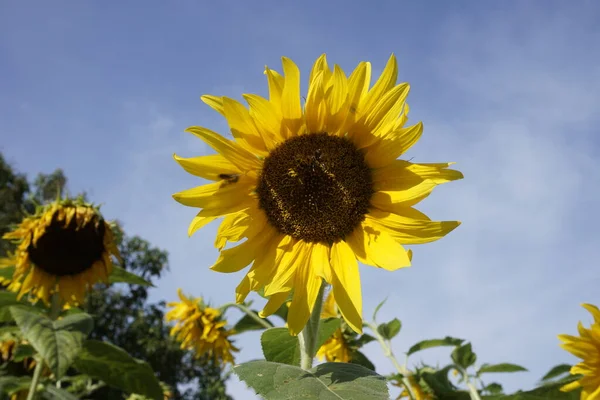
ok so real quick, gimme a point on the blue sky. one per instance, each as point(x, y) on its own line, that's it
point(509, 90)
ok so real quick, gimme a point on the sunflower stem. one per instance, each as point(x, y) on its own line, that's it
point(54, 312)
point(249, 313)
point(308, 337)
point(387, 351)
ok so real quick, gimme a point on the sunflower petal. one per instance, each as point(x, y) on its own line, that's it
point(218, 194)
point(386, 81)
point(346, 284)
point(238, 257)
point(306, 289)
point(408, 230)
point(273, 304)
point(393, 145)
point(267, 118)
point(207, 167)
point(243, 224)
point(232, 151)
point(291, 108)
point(373, 246)
point(242, 126)
point(286, 269)
point(276, 82)
point(215, 102)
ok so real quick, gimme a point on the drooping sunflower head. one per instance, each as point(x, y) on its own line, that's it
point(201, 329)
point(65, 248)
point(587, 347)
point(315, 187)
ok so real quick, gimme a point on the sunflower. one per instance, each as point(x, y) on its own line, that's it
point(586, 347)
point(315, 189)
point(64, 248)
point(201, 328)
point(336, 348)
point(416, 388)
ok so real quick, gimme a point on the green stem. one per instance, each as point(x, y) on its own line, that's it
point(473, 391)
point(55, 309)
point(387, 351)
point(308, 337)
point(248, 312)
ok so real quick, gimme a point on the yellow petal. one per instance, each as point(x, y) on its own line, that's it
point(346, 284)
point(390, 147)
point(218, 194)
point(320, 261)
point(285, 270)
point(215, 102)
point(267, 118)
point(199, 222)
point(276, 82)
point(232, 151)
point(592, 309)
point(242, 127)
point(268, 259)
point(329, 307)
point(383, 116)
point(306, 288)
point(315, 111)
point(228, 208)
point(319, 67)
point(358, 84)
point(373, 246)
point(386, 81)
point(274, 303)
point(291, 108)
point(238, 257)
point(570, 386)
point(207, 167)
point(337, 102)
point(408, 230)
point(244, 224)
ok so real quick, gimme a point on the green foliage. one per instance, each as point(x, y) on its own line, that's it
point(360, 359)
point(54, 393)
point(389, 329)
point(463, 356)
point(429, 343)
point(378, 308)
point(116, 368)
point(556, 371)
point(327, 327)
point(326, 381)
point(503, 367)
point(280, 347)
point(247, 323)
point(119, 275)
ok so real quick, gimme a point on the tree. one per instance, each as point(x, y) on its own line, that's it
point(122, 313)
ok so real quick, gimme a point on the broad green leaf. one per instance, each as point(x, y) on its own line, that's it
point(327, 328)
point(389, 329)
point(115, 367)
point(8, 298)
point(427, 344)
point(120, 275)
point(493, 388)
point(377, 308)
point(557, 371)
point(438, 382)
point(503, 367)
point(57, 345)
point(53, 393)
point(360, 359)
point(79, 322)
point(329, 381)
point(23, 351)
point(247, 323)
point(9, 331)
point(550, 391)
point(464, 356)
point(280, 347)
point(364, 339)
point(13, 384)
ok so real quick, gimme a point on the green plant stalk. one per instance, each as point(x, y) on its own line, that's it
point(308, 337)
point(473, 391)
point(248, 312)
point(55, 308)
point(387, 351)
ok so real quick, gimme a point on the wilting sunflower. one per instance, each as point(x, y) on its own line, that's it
point(336, 348)
point(64, 248)
point(201, 328)
point(587, 347)
point(315, 188)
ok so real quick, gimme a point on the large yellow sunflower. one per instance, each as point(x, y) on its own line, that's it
point(587, 347)
point(201, 328)
point(315, 189)
point(65, 247)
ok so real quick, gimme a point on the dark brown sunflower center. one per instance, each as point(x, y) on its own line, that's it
point(315, 187)
point(65, 250)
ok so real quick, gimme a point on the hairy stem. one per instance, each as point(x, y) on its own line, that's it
point(250, 313)
point(308, 337)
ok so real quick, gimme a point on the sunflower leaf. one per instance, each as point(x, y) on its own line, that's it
point(247, 323)
point(556, 371)
point(7, 272)
point(54, 393)
point(327, 328)
point(503, 367)
point(429, 343)
point(280, 347)
point(120, 275)
point(117, 368)
point(464, 356)
point(360, 359)
point(57, 345)
point(389, 329)
point(377, 308)
point(79, 322)
point(326, 381)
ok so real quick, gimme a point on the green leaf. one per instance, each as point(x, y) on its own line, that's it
point(438, 381)
point(120, 275)
point(493, 388)
point(57, 345)
point(247, 323)
point(364, 339)
point(360, 359)
point(80, 322)
point(550, 391)
point(327, 328)
point(8, 298)
point(280, 347)
point(427, 344)
point(22, 352)
point(329, 381)
point(54, 393)
point(7, 272)
point(390, 329)
point(557, 371)
point(377, 308)
point(503, 367)
point(116, 368)
point(12, 384)
point(464, 356)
